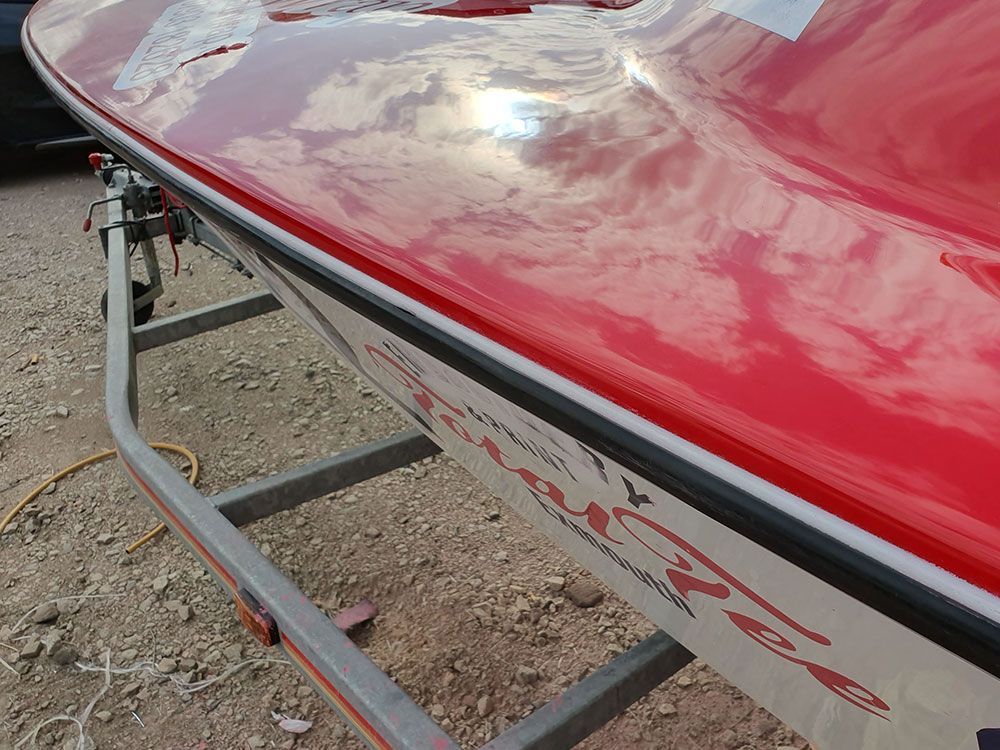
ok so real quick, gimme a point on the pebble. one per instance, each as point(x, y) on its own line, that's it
point(669, 709)
point(526, 675)
point(185, 612)
point(64, 654)
point(104, 716)
point(104, 538)
point(166, 666)
point(48, 612)
point(729, 739)
point(555, 583)
point(372, 533)
point(131, 689)
point(160, 584)
point(684, 681)
point(256, 742)
point(234, 652)
point(584, 594)
point(30, 650)
point(484, 707)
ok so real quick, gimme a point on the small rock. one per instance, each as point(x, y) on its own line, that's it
point(128, 655)
point(669, 709)
point(160, 584)
point(684, 681)
point(166, 666)
point(104, 716)
point(62, 411)
point(256, 742)
point(185, 612)
point(484, 707)
point(555, 583)
point(50, 640)
point(48, 612)
point(437, 711)
point(104, 538)
point(234, 652)
point(729, 739)
point(50, 488)
point(584, 594)
point(526, 676)
point(372, 533)
point(131, 689)
point(64, 654)
point(30, 650)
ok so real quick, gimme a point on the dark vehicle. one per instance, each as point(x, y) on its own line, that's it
point(29, 117)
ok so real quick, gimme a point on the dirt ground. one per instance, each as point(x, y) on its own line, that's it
point(470, 623)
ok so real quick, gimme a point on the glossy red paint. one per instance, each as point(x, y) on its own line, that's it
point(783, 252)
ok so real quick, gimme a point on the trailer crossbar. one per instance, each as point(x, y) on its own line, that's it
point(289, 489)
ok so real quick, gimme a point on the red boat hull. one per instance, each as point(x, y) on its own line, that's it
point(753, 261)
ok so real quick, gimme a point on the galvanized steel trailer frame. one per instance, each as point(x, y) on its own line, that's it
point(271, 605)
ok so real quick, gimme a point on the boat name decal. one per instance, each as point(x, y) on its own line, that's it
point(690, 573)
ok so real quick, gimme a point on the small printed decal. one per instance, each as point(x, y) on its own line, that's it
point(785, 17)
point(188, 31)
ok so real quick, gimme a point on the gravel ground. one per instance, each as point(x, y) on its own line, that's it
point(474, 619)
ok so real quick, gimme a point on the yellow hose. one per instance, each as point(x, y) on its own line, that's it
point(97, 458)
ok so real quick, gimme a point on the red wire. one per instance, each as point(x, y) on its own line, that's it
point(170, 231)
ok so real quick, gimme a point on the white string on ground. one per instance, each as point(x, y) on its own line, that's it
point(8, 666)
point(178, 680)
point(81, 718)
point(58, 599)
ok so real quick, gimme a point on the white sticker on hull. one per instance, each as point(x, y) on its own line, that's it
point(187, 31)
point(785, 17)
point(842, 674)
